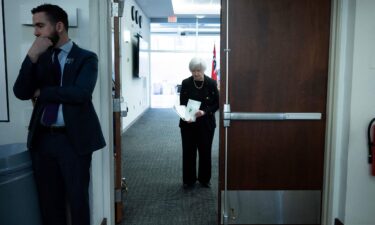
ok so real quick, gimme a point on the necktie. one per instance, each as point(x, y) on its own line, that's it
point(50, 111)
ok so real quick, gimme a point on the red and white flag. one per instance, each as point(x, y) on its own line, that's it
point(214, 71)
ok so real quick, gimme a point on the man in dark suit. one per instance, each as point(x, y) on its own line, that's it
point(64, 129)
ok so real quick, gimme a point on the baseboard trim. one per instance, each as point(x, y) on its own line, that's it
point(338, 222)
point(135, 120)
point(104, 221)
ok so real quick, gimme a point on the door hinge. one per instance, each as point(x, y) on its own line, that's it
point(114, 9)
point(117, 8)
point(226, 113)
point(117, 106)
point(118, 195)
point(124, 185)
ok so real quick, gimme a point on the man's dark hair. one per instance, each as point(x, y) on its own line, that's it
point(54, 13)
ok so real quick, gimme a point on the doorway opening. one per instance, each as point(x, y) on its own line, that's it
point(172, 47)
point(152, 161)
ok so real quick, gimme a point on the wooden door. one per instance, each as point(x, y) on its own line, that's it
point(271, 169)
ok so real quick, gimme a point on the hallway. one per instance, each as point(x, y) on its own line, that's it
point(151, 151)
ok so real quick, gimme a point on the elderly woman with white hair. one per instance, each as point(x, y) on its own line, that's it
point(197, 136)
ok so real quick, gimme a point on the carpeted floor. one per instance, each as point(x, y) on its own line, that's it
point(151, 151)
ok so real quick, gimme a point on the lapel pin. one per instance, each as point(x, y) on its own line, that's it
point(69, 60)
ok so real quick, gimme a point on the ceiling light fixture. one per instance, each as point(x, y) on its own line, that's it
point(187, 7)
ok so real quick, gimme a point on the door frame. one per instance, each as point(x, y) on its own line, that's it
point(342, 12)
point(102, 167)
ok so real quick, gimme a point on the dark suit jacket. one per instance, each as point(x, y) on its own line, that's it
point(208, 96)
point(79, 79)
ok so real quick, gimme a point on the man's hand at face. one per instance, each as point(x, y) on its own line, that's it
point(40, 45)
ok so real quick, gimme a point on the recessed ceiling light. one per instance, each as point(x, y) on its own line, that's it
point(192, 7)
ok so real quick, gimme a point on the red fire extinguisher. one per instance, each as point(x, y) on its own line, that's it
point(371, 146)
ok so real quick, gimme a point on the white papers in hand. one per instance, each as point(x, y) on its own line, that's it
point(180, 110)
point(192, 108)
point(187, 113)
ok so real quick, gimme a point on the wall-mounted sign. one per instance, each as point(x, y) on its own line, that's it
point(136, 16)
point(133, 13)
point(26, 16)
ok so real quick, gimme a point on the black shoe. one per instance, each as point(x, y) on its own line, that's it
point(188, 185)
point(205, 184)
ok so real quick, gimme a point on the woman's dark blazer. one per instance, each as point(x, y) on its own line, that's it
point(208, 96)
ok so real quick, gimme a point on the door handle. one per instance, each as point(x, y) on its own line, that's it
point(228, 116)
point(273, 116)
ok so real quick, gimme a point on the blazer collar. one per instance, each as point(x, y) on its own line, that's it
point(67, 47)
point(70, 64)
point(73, 51)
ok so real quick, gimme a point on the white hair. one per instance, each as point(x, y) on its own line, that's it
point(197, 64)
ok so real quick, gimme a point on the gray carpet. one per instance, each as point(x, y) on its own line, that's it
point(151, 155)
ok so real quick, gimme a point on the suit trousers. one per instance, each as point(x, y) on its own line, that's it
point(196, 138)
point(62, 176)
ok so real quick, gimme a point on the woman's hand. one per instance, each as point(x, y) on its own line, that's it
point(199, 113)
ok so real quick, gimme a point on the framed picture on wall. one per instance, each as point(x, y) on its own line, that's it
point(4, 112)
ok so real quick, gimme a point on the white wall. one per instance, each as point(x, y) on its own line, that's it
point(18, 40)
point(102, 179)
point(136, 91)
point(360, 193)
point(3, 90)
point(351, 187)
point(344, 93)
point(341, 61)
